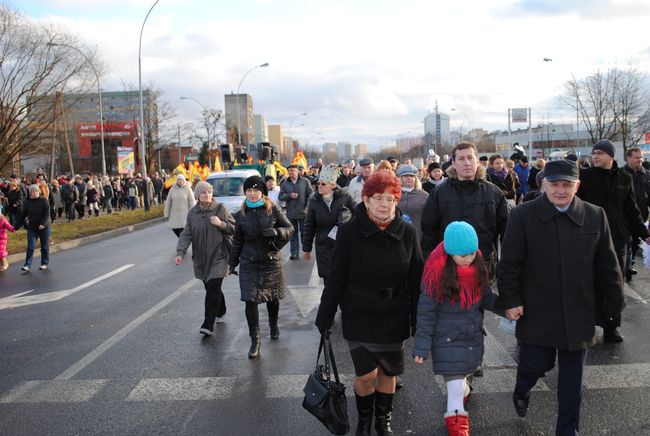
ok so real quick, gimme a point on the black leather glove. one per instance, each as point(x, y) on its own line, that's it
point(270, 232)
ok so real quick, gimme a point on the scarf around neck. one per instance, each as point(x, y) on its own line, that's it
point(253, 205)
point(383, 225)
point(468, 284)
point(501, 175)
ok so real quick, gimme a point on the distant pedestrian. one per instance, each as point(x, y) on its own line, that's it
point(56, 203)
point(260, 233)
point(92, 198)
point(366, 168)
point(435, 177)
point(178, 204)
point(295, 191)
point(4, 227)
point(133, 194)
point(523, 171)
point(80, 205)
point(36, 219)
point(15, 200)
point(413, 198)
point(207, 228)
point(499, 175)
point(70, 197)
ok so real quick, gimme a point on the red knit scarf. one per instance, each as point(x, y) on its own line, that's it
point(468, 284)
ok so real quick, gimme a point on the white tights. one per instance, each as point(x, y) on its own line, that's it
point(456, 390)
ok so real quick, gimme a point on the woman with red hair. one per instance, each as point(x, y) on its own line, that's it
point(375, 279)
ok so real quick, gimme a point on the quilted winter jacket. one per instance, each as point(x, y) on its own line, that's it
point(453, 336)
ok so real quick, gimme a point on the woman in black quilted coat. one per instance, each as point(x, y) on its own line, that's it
point(261, 231)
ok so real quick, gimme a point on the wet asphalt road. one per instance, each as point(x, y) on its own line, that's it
point(123, 355)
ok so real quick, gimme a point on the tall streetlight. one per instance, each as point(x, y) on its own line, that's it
point(142, 137)
point(577, 103)
point(469, 123)
point(99, 92)
point(266, 64)
point(303, 114)
point(207, 127)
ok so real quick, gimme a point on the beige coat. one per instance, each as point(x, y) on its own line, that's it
point(180, 200)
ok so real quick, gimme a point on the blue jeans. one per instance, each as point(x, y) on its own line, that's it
point(298, 228)
point(32, 236)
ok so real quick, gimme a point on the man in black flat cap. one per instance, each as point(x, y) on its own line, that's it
point(606, 186)
point(558, 288)
point(356, 185)
point(295, 190)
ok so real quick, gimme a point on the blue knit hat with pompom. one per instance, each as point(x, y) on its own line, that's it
point(460, 239)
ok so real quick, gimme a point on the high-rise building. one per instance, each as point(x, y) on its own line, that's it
point(261, 129)
point(330, 148)
point(361, 150)
point(345, 150)
point(239, 118)
point(436, 127)
point(276, 136)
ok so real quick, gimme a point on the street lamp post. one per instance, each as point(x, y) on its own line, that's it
point(207, 127)
point(469, 123)
point(142, 137)
point(294, 119)
point(266, 64)
point(577, 103)
point(99, 92)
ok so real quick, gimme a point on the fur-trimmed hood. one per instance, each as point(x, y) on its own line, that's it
point(480, 173)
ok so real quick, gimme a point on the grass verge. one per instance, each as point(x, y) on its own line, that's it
point(64, 231)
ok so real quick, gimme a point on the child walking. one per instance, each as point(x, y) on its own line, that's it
point(4, 226)
point(455, 289)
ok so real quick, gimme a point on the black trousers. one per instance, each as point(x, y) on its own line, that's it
point(177, 232)
point(215, 302)
point(535, 361)
point(253, 315)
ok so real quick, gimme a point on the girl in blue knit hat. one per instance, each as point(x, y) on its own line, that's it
point(455, 289)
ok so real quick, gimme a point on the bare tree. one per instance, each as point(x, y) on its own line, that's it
point(611, 105)
point(31, 73)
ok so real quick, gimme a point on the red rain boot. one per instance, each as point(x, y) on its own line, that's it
point(457, 423)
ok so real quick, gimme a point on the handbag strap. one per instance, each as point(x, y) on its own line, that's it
point(329, 358)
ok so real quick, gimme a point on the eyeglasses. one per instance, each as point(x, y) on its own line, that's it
point(323, 184)
point(381, 199)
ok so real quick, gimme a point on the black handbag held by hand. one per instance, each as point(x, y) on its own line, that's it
point(324, 397)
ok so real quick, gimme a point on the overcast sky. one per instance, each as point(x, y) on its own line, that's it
point(363, 70)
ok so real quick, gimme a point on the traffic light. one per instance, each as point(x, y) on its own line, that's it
point(227, 153)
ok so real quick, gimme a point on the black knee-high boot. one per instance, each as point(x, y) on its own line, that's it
point(254, 351)
point(365, 407)
point(383, 411)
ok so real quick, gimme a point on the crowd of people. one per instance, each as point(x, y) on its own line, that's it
point(406, 252)
point(36, 203)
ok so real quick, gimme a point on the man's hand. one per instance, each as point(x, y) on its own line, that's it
point(41, 227)
point(307, 256)
point(515, 313)
point(647, 241)
point(419, 360)
point(178, 260)
point(294, 195)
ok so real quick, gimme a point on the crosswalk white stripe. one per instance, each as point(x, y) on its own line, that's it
point(54, 391)
point(183, 389)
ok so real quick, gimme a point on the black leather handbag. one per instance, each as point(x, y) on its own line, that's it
point(324, 397)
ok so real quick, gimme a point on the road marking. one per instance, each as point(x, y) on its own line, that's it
point(627, 289)
point(493, 381)
point(307, 297)
point(291, 386)
point(18, 300)
point(495, 355)
point(54, 391)
point(183, 389)
point(101, 349)
point(632, 375)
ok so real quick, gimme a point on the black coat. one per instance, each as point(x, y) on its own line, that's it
point(15, 201)
point(35, 213)
point(260, 273)
point(562, 268)
point(507, 185)
point(477, 202)
point(641, 186)
point(368, 265)
point(612, 190)
point(319, 222)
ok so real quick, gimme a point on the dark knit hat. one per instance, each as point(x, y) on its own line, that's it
point(606, 146)
point(255, 182)
point(433, 166)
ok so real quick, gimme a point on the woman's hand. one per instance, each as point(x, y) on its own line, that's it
point(215, 221)
point(270, 232)
point(178, 260)
point(419, 360)
point(307, 256)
